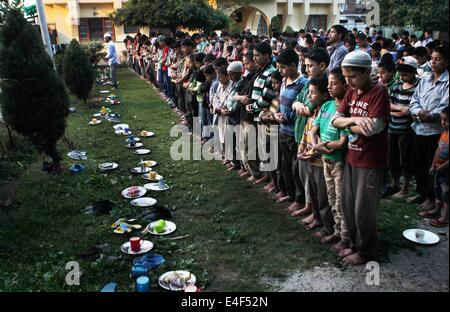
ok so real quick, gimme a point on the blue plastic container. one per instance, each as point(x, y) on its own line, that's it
point(143, 284)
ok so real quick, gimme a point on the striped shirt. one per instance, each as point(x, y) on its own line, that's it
point(262, 91)
point(400, 96)
point(288, 94)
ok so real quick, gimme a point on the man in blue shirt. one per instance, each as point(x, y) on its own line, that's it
point(293, 82)
point(111, 56)
point(337, 51)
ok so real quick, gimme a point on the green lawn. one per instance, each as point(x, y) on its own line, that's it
point(237, 235)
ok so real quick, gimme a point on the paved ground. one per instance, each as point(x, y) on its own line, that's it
point(423, 269)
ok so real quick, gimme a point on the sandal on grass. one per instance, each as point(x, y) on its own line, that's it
point(122, 226)
point(429, 214)
point(122, 220)
point(438, 223)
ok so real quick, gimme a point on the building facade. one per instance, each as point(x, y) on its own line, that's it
point(84, 20)
point(258, 14)
point(87, 20)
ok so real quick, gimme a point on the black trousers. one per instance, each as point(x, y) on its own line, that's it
point(400, 155)
point(299, 187)
point(424, 150)
point(288, 157)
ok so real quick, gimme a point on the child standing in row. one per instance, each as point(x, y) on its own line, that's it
point(401, 136)
point(267, 118)
point(332, 146)
point(439, 169)
point(318, 96)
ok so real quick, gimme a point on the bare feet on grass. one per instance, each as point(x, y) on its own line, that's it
point(354, 259)
point(295, 206)
point(302, 212)
point(330, 239)
point(268, 186)
point(346, 252)
point(313, 225)
point(279, 195)
point(284, 199)
point(306, 221)
point(343, 244)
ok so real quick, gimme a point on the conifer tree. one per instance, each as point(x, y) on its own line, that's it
point(33, 102)
point(78, 71)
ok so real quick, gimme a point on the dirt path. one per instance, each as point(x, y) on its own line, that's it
point(425, 269)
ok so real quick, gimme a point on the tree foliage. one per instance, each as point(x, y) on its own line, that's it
point(78, 71)
point(94, 50)
point(171, 14)
point(427, 14)
point(33, 101)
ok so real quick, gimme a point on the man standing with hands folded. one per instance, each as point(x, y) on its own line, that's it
point(365, 111)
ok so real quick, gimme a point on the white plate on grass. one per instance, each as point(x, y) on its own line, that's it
point(146, 177)
point(137, 145)
point(94, 123)
point(104, 91)
point(108, 166)
point(144, 202)
point(145, 247)
point(164, 280)
point(135, 139)
point(121, 127)
point(142, 151)
point(122, 132)
point(142, 191)
point(155, 187)
point(170, 228)
point(149, 134)
point(139, 170)
point(429, 238)
point(150, 163)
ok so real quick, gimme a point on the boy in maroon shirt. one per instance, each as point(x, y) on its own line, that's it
point(365, 111)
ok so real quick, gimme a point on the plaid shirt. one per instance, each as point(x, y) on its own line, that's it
point(262, 92)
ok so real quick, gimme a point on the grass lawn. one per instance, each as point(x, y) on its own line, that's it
point(237, 235)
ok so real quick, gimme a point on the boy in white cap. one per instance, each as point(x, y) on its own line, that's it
point(232, 113)
point(111, 56)
point(365, 111)
point(401, 135)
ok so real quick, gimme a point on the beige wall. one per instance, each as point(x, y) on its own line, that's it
point(102, 9)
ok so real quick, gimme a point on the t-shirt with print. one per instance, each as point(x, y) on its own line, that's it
point(367, 152)
point(327, 131)
point(442, 154)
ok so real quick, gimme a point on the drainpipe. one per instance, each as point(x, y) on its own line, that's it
point(44, 28)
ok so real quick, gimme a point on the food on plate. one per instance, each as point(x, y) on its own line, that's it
point(177, 280)
point(160, 226)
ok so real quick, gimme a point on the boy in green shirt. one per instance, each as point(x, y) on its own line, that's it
point(316, 62)
point(332, 143)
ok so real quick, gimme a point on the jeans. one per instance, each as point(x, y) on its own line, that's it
point(113, 74)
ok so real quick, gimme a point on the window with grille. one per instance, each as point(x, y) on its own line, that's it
point(91, 29)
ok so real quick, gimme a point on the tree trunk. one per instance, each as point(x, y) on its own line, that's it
point(56, 159)
point(11, 139)
point(173, 30)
